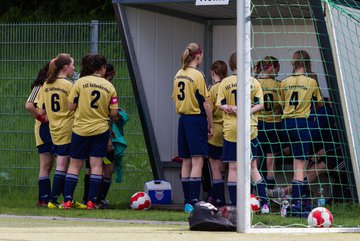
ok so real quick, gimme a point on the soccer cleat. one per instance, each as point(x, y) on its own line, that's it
point(53, 205)
point(277, 192)
point(67, 205)
point(105, 204)
point(90, 205)
point(188, 208)
point(41, 204)
point(265, 209)
point(78, 205)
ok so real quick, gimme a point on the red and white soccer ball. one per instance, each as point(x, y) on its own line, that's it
point(320, 218)
point(254, 203)
point(140, 201)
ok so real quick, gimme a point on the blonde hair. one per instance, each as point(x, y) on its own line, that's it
point(190, 53)
point(56, 65)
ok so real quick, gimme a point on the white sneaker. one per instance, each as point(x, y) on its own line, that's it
point(265, 209)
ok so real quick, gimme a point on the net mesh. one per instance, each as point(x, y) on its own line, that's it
point(279, 29)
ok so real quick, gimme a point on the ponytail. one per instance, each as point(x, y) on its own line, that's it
point(56, 65)
point(40, 79)
point(190, 53)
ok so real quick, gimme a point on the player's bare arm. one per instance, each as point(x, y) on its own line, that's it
point(72, 106)
point(257, 108)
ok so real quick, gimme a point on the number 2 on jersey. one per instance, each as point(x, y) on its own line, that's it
point(294, 99)
point(95, 93)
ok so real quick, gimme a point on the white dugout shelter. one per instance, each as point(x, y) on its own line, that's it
point(155, 33)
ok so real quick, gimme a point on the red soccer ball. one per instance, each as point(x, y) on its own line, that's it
point(140, 201)
point(320, 218)
point(254, 203)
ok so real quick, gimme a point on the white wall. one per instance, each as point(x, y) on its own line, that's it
point(159, 41)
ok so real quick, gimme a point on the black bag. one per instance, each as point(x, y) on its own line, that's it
point(205, 217)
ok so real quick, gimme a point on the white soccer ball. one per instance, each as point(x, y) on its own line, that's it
point(320, 218)
point(254, 203)
point(140, 201)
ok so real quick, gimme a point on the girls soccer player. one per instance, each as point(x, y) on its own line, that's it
point(93, 98)
point(297, 92)
point(42, 138)
point(195, 122)
point(218, 72)
point(227, 102)
point(269, 123)
point(54, 103)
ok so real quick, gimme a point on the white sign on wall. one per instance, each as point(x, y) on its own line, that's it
point(211, 2)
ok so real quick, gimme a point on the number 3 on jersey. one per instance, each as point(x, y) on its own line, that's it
point(181, 86)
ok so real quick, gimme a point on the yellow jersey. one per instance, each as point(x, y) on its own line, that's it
point(272, 100)
point(94, 96)
point(297, 92)
point(257, 97)
point(189, 92)
point(34, 98)
point(218, 137)
point(53, 99)
point(227, 96)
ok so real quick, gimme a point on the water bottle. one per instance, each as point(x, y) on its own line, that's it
point(284, 206)
point(321, 199)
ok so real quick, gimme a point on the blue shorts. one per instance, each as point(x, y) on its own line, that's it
point(269, 137)
point(192, 136)
point(83, 147)
point(45, 136)
point(229, 150)
point(298, 133)
point(62, 150)
point(215, 152)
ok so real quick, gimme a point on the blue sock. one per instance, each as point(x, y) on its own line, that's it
point(304, 189)
point(218, 192)
point(186, 189)
point(95, 184)
point(58, 185)
point(270, 182)
point(296, 191)
point(86, 187)
point(195, 185)
point(70, 185)
point(261, 192)
point(104, 189)
point(44, 188)
point(232, 192)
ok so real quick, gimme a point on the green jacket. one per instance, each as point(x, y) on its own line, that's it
point(119, 144)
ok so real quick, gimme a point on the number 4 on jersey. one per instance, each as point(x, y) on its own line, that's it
point(294, 99)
